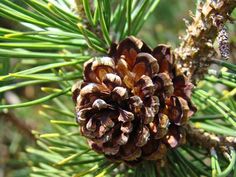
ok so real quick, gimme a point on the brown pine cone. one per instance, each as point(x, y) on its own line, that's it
point(131, 105)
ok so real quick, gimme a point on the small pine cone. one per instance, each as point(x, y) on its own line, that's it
point(131, 105)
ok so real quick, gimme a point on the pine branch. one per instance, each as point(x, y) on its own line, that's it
point(80, 8)
point(19, 124)
point(197, 137)
point(65, 35)
point(196, 49)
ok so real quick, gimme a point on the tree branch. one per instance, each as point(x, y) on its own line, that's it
point(19, 124)
point(197, 45)
point(198, 137)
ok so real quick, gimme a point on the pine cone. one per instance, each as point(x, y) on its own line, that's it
point(131, 105)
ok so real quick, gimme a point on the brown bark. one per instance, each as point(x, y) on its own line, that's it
point(198, 137)
point(19, 124)
point(197, 45)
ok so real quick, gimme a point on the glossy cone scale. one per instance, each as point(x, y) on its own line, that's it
point(133, 103)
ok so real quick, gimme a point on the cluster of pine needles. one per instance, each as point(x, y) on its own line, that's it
point(54, 39)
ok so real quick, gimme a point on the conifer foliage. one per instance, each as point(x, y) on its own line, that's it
point(136, 111)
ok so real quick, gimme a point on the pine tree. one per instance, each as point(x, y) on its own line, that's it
point(54, 43)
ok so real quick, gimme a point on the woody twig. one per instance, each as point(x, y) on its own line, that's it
point(196, 49)
point(205, 140)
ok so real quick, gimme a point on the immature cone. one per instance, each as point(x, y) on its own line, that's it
point(131, 105)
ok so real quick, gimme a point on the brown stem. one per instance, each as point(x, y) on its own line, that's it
point(81, 12)
point(198, 137)
point(80, 8)
point(19, 124)
point(197, 45)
